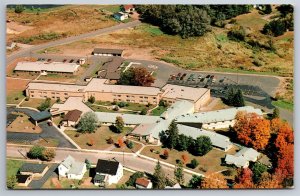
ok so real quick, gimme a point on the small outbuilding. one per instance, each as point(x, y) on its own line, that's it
point(121, 16)
point(71, 118)
point(107, 52)
point(143, 183)
point(128, 8)
point(40, 116)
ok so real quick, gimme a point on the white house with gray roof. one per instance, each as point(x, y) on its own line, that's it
point(72, 169)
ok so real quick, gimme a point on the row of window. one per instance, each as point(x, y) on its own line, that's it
point(44, 92)
point(131, 96)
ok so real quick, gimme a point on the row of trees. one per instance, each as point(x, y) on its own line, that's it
point(42, 153)
point(189, 20)
point(136, 76)
point(173, 140)
point(274, 137)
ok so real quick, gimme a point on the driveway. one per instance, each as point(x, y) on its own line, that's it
point(47, 132)
point(37, 184)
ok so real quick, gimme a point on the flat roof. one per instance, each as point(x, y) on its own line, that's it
point(33, 167)
point(97, 85)
point(183, 92)
point(70, 104)
point(40, 115)
point(131, 119)
point(215, 116)
point(45, 66)
point(55, 87)
point(108, 51)
point(179, 107)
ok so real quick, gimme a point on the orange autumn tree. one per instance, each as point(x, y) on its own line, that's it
point(214, 181)
point(244, 180)
point(185, 158)
point(120, 142)
point(269, 181)
point(285, 157)
point(252, 130)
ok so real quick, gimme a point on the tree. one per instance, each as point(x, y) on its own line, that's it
point(244, 180)
point(214, 181)
point(195, 182)
point(275, 113)
point(184, 158)
point(252, 130)
point(88, 164)
point(237, 34)
point(239, 99)
point(119, 124)
point(258, 169)
point(91, 99)
point(88, 123)
point(165, 154)
point(234, 97)
point(48, 154)
point(269, 181)
point(202, 146)
point(36, 152)
point(183, 143)
point(11, 182)
point(130, 144)
point(45, 105)
point(172, 134)
point(268, 9)
point(19, 9)
point(194, 163)
point(137, 76)
point(178, 173)
point(144, 111)
point(120, 142)
point(133, 177)
point(159, 178)
point(163, 103)
point(275, 28)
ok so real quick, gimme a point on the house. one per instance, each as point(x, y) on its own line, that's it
point(121, 16)
point(71, 118)
point(108, 172)
point(47, 67)
point(71, 169)
point(10, 45)
point(128, 8)
point(107, 52)
point(143, 183)
point(23, 180)
point(111, 70)
point(239, 162)
point(34, 169)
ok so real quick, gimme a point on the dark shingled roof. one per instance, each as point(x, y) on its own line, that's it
point(41, 115)
point(107, 167)
point(73, 115)
point(22, 178)
point(107, 51)
point(111, 69)
point(33, 167)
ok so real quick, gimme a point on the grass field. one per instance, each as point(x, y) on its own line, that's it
point(284, 104)
point(12, 167)
point(35, 103)
point(158, 111)
point(14, 96)
point(99, 137)
point(211, 162)
point(58, 22)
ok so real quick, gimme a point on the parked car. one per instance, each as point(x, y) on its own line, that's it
point(200, 76)
point(208, 76)
point(39, 59)
point(65, 60)
point(202, 79)
point(212, 76)
point(49, 60)
point(50, 123)
point(179, 74)
point(42, 59)
point(72, 60)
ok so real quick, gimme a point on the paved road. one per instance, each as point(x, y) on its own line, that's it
point(129, 161)
point(47, 132)
point(31, 50)
point(37, 184)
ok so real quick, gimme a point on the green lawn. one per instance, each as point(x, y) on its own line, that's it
point(158, 111)
point(35, 102)
point(14, 97)
point(153, 30)
point(104, 109)
point(283, 104)
point(137, 107)
point(12, 167)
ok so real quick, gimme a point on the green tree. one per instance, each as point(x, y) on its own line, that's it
point(257, 170)
point(119, 124)
point(91, 99)
point(275, 113)
point(159, 178)
point(127, 77)
point(133, 177)
point(202, 146)
point(48, 154)
point(195, 182)
point(239, 99)
point(172, 135)
point(130, 144)
point(183, 143)
point(267, 9)
point(194, 163)
point(275, 27)
point(19, 9)
point(36, 152)
point(178, 173)
point(88, 123)
point(45, 104)
point(11, 182)
point(144, 111)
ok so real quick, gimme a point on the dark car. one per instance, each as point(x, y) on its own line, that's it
point(202, 79)
point(65, 60)
point(179, 74)
point(50, 123)
point(208, 76)
point(49, 60)
point(72, 60)
point(212, 76)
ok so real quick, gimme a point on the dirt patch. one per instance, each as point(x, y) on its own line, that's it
point(16, 28)
point(16, 84)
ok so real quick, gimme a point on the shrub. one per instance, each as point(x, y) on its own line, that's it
point(91, 142)
point(58, 100)
point(91, 99)
point(194, 163)
point(45, 105)
point(275, 28)
point(36, 152)
point(110, 140)
point(144, 111)
point(165, 154)
point(19, 9)
point(48, 154)
point(76, 135)
point(27, 99)
point(237, 34)
point(80, 182)
point(121, 104)
point(227, 172)
point(129, 144)
point(16, 98)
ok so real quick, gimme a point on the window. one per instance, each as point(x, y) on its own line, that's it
point(32, 91)
point(146, 97)
point(66, 93)
point(53, 97)
point(32, 95)
point(53, 93)
point(154, 97)
point(119, 95)
point(141, 97)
